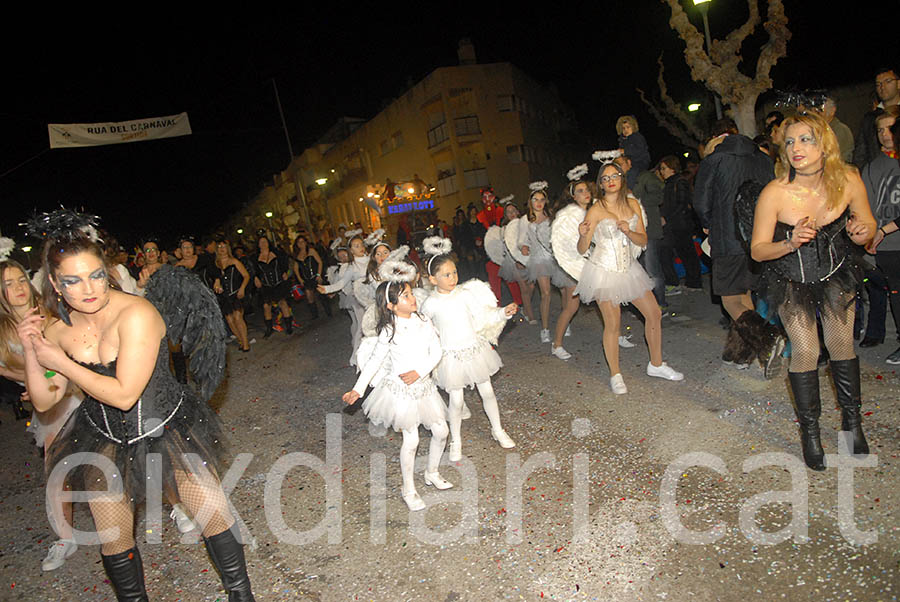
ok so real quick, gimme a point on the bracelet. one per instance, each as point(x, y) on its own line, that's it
point(883, 232)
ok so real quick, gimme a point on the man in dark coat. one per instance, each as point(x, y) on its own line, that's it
point(887, 87)
point(734, 161)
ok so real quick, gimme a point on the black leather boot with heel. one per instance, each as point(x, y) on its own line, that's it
point(845, 374)
point(126, 574)
point(227, 555)
point(805, 386)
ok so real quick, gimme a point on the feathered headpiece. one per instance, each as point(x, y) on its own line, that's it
point(351, 233)
point(396, 268)
point(506, 200)
point(538, 186)
point(437, 245)
point(6, 247)
point(336, 245)
point(63, 224)
point(606, 157)
point(374, 238)
point(577, 172)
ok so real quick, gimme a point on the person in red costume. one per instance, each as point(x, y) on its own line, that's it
point(492, 213)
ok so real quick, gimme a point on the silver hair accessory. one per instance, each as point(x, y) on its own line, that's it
point(396, 268)
point(6, 247)
point(351, 233)
point(606, 157)
point(434, 246)
point(577, 172)
point(506, 200)
point(538, 186)
point(64, 224)
point(374, 238)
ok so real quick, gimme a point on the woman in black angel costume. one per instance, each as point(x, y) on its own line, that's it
point(273, 270)
point(804, 223)
point(153, 430)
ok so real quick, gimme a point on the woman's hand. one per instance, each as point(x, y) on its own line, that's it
point(802, 233)
point(240, 293)
point(350, 397)
point(623, 227)
point(858, 230)
point(511, 309)
point(217, 287)
point(872, 247)
point(409, 377)
point(257, 282)
point(321, 289)
point(29, 328)
point(525, 250)
point(143, 278)
point(584, 228)
point(49, 354)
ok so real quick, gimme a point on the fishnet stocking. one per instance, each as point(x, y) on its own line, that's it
point(837, 328)
point(202, 494)
point(116, 515)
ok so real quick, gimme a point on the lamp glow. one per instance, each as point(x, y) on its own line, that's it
point(694, 107)
point(240, 230)
point(321, 181)
point(26, 249)
point(268, 214)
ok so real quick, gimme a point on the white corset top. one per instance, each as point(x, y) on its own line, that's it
point(613, 251)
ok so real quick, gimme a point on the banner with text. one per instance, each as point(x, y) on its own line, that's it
point(69, 135)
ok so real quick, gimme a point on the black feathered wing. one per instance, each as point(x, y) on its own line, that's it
point(193, 320)
point(744, 208)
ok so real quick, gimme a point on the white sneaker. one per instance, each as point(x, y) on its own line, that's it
point(560, 352)
point(436, 480)
point(413, 501)
point(625, 342)
point(568, 331)
point(545, 335)
point(503, 439)
point(183, 522)
point(455, 452)
point(664, 371)
point(617, 384)
point(59, 551)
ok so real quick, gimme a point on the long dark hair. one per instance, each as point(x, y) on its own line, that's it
point(388, 292)
point(372, 268)
point(57, 249)
point(8, 322)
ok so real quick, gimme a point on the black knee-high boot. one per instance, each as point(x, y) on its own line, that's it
point(227, 555)
point(126, 573)
point(805, 386)
point(845, 374)
point(268, 328)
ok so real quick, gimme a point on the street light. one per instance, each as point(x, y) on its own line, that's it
point(694, 107)
point(240, 230)
point(321, 181)
point(269, 214)
point(703, 7)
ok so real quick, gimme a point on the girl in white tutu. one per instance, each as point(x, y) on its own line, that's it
point(364, 288)
point(468, 321)
point(613, 276)
point(349, 273)
point(534, 242)
point(405, 396)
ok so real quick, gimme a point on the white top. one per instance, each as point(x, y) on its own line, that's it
point(415, 346)
point(347, 274)
point(537, 237)
point(128, 284)
point(614, 251)
point(454, 314)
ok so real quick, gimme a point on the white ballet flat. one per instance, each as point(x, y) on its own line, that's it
point(455, 452)
point(436, 480)
point(413, 501)
point(503, 439)
point(617, 384)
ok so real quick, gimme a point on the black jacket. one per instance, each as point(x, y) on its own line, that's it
point(736, 160)
point(867, 145)
point(676, 206)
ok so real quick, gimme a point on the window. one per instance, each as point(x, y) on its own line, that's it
point(397, 139)
point(476, 178)
point(520, 153)
point(447, 185)
point(386, 147)
point(436, 119)
point(438, 134)
point(505, 103)
point(467, 125)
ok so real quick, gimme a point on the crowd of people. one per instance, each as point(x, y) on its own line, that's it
point(789, 224)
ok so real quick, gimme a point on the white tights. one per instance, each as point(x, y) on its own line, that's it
point(488, 400)
point(408, 453)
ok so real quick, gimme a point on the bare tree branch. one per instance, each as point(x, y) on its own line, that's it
point(671, 107)
point(674, 128)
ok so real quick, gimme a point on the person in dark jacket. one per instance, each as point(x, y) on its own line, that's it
point(678, 225)
point(887, 88)
point(734, 161)
point(633, 144)
point(649, 190)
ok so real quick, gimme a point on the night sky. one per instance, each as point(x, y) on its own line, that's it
point(221, 74)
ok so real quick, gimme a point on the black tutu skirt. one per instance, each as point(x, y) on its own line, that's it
point(274, 294)
point(169, 429)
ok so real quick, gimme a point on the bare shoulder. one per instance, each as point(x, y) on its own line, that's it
point(133, 310)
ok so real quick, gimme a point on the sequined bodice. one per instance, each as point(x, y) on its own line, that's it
point(613, 250)
point(148, 416)
point(819, 258)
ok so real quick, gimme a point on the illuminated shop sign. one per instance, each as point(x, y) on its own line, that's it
point(411, 205)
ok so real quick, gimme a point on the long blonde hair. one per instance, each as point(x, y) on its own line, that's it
point(8, 320)
point(835, 171)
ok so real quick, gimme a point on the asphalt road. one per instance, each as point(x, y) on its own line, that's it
point(636, 497)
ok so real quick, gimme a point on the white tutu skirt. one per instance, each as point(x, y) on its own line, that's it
point(344, 301)
point(461, 368)
point(403, 407)
point(597, 284)
point(562, 280)
point(510, 272)
point(540, 266)
point(47, 424)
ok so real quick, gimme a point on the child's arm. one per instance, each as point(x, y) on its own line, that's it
point(370, 369)
point(432, 355)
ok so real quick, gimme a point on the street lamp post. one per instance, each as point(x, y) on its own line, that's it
point(703, 7)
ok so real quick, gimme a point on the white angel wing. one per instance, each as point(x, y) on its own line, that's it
point(511, 237)
point(364, 355)
point(564, 239)
point(332, 273)
point(494, 244)
point(364, 292)
point(487, 322)
point(635, 249)
point(369, 321)
point(420, 294)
